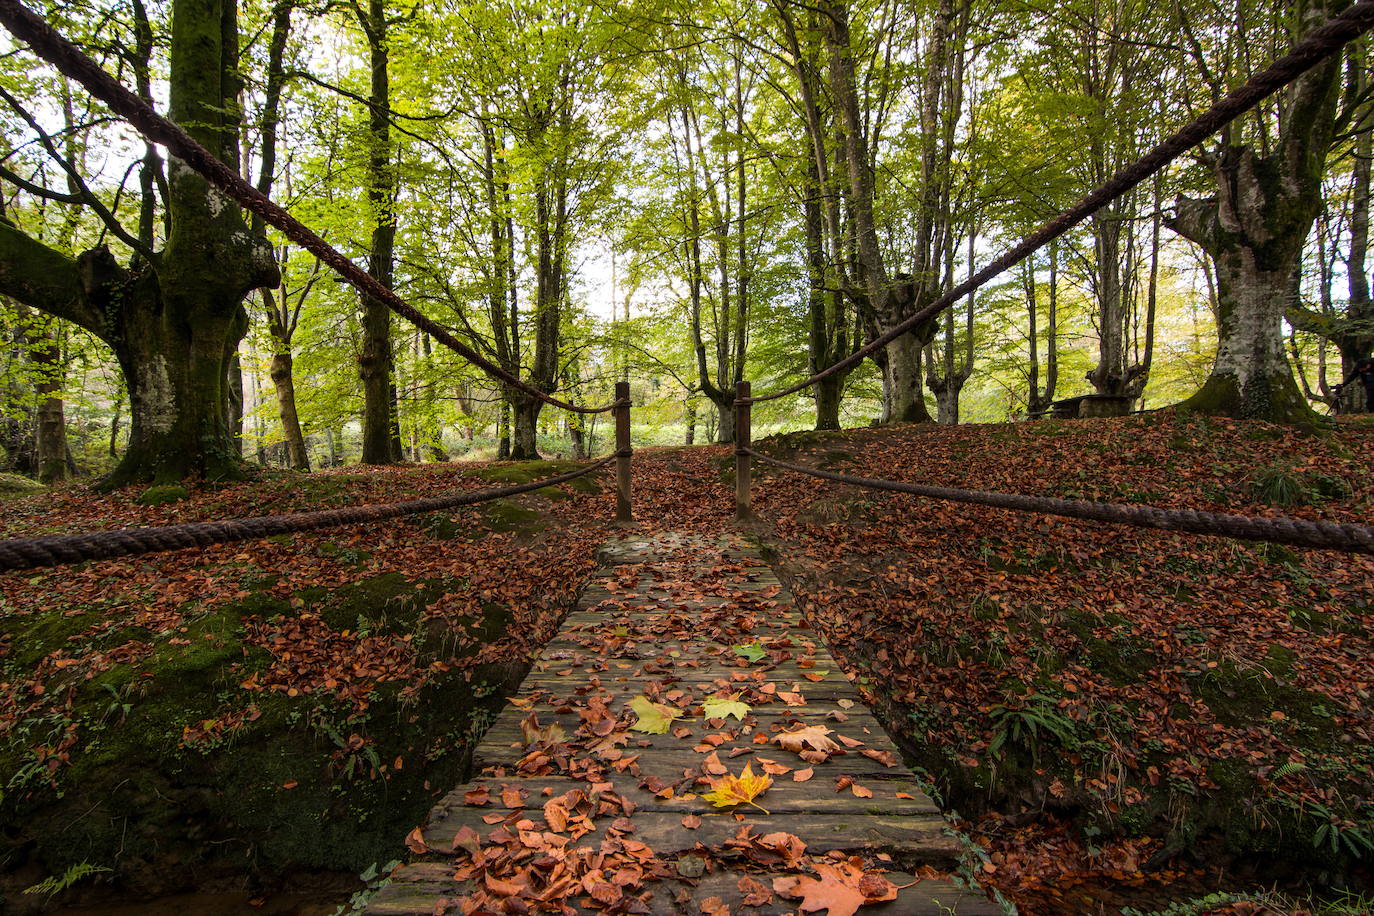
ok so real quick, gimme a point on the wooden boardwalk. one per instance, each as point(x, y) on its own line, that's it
point(575, 810)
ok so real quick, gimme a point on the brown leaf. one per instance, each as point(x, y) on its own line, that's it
point(755, 892)
point(712, 766)
point(808, 738)
point(513, 796)
point(466, 838)
point(886, 758)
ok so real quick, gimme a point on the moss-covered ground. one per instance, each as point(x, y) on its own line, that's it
point(234, 716)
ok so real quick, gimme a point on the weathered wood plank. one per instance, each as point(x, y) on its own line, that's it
point(660, 620)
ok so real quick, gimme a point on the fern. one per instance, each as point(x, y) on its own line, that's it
point(1287, 769)
point(56, 885)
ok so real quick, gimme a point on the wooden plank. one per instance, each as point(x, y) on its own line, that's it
point(415, 887)
point(660, 620)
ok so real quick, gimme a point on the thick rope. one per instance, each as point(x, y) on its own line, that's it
point(27, 553)
point(1321, 535)
point(1319, 44)
point(48, 44)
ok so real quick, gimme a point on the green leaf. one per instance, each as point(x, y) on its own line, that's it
point(654, 718)
point(724, 707)
point(751, 651)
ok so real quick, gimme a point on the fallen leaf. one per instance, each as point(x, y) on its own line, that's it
point(737, 790)
point(654, 718)
point(750, 651)
point(722, 707)
point(807, 738)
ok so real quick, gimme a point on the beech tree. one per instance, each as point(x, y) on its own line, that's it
point(172, 315)
point(1267, 173)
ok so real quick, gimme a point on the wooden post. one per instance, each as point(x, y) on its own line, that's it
point(623, 512)
point(744, 510)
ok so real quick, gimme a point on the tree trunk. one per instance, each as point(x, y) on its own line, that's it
point(829, 395)
point(114, 424)
point(947, 405)
point(284, 381)
point(503, 432)
point(1108, 377)
point(1254, 228)
point(51, 438)
point(525, 446)
point(903, 396)
point(375, 360)
point(178, 379)
point(725, 418)
point(577, 437)
point(175, 322)
point(1251, 377)
point(234, 383)
point(690, 437)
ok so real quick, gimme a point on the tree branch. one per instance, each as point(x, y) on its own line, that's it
point(88, 197)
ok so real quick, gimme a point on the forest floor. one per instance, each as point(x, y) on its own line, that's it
point(1122, 719)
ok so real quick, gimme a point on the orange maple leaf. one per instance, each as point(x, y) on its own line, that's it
point(739, 790)
point(840, 890)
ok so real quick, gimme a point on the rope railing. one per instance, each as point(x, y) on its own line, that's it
point(48, 44)
point(1315, 47)
point(28, 553)
point(61, 550)
point(1279, 530)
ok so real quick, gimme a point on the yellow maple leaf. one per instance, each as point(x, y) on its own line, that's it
point(723, 707)
point(739, 790)
point(654, 718)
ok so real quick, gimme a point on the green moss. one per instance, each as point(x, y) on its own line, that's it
point(15, 486)
point(163, 494)
point(387, 603)
point(507, 515)
point(1240, 696)
point(1121, 658)
point(530, 471)
point(40, 634)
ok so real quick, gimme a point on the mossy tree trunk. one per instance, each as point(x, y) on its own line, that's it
point(903, 394)
point(381, 438)
point(525, 443)
point(175, 319)
point(51, 433)
point(1254, 228)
